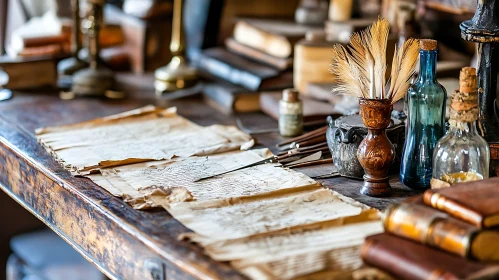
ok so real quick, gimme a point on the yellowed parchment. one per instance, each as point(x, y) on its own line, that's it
point(234, 218)
point(181, 173)
point(140, 135)
point(287, 256)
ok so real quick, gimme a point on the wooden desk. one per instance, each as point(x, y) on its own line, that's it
point(122, 242)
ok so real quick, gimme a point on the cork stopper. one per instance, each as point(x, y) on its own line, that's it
point(464, 102)
point(427, 44)
point(468, 80)
point(290, 95)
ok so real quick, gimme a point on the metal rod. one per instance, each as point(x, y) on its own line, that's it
point(177, 43)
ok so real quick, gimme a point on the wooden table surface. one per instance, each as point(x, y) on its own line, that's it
point(122, 242)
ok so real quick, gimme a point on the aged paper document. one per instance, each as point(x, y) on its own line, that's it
point(246, 216)
point(181, 173)
point(332, 246)
point(140, 135)
point(145, 198)
point(289, 254)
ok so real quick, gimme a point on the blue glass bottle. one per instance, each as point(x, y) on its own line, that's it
point(425, 120)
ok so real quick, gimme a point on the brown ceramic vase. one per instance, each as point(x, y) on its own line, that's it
point(376, 152)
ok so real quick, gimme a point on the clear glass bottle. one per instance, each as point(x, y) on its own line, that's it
point(462, 154)
point(290, 113)
point(425, 120)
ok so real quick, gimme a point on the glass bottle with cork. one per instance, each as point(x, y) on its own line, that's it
point(290, 113)
point(425, 121)
point(462, 154)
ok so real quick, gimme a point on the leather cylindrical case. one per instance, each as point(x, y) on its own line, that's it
point(430, 227)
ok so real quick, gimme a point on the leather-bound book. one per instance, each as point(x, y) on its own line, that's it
point(238, 70)
point(428, 226)
point(405, 259)
point(47, 50)
point(19, 43)
point(257, 55)
point(229, 98)
point(29, 72)
point(475, 202)
point(272, 36)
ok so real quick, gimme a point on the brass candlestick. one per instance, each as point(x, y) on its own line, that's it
point(95, 80)
point(177, 74)
point(69, 66)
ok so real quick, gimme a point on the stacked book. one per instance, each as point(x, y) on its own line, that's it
point(258, 57)
point(447, 233)
point(51, 36)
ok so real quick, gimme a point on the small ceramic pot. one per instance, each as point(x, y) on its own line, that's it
point(344, 136)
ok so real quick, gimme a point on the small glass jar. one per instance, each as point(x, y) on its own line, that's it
point(462, 154)
point(290, 114)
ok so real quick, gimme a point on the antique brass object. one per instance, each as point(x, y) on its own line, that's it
point(68, 66)
point(95, 80)
point(177, 74)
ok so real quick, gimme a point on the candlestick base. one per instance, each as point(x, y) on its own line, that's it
point(178, 74)
point(93, 82)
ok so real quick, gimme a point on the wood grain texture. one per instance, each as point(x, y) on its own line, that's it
point(376, 153)
point(123, 242)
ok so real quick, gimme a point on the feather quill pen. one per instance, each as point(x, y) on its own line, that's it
point(403, 65)
point(360, 68)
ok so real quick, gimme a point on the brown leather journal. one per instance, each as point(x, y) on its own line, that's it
point(416, 221)
point(406, 259)
point(475, 202)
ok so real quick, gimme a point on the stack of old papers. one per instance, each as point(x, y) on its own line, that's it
point(140, 135)
point(267, 221)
